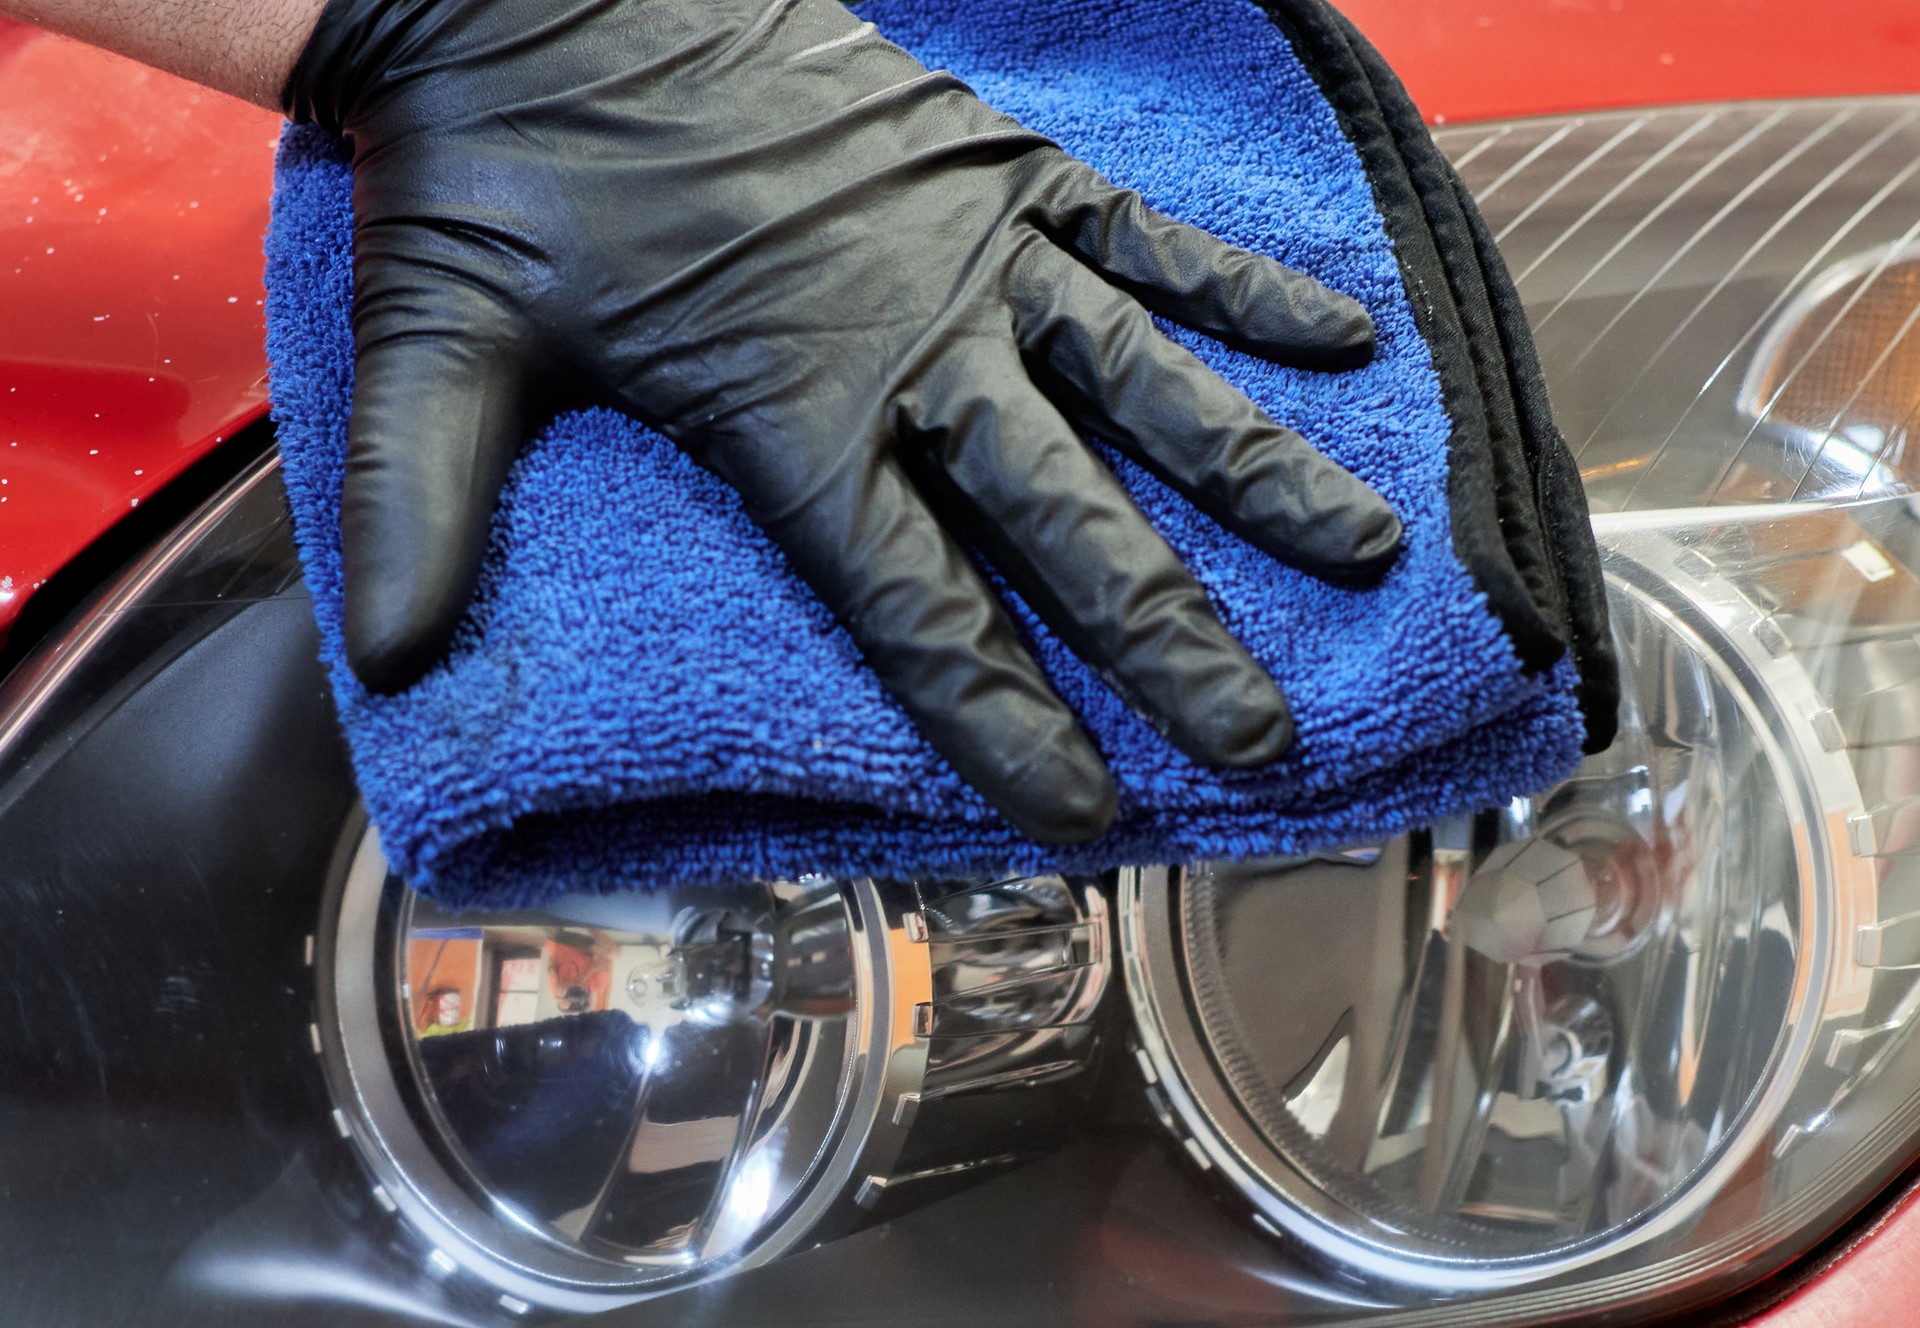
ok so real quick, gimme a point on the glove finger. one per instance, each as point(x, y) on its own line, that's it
point(935, 636)
point(440, 407)
point(1102, 357)
point(1180, 272)
point(1060, 528)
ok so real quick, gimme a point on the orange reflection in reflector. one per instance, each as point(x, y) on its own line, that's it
point(1842, 365)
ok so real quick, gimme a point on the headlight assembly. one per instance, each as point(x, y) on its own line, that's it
point(1641, 1035)
point(344, 1099)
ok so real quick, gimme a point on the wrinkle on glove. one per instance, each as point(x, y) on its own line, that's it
point(644, 691)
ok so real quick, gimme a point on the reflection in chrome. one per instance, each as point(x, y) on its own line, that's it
point(640, 1068)
point(1019, 968)
point(621, 1094)
point(1544, 1037)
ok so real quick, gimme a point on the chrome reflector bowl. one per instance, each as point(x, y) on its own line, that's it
point(615, 1095)
point(1514, 1043)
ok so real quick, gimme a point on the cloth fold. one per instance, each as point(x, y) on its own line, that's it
point(643, 692)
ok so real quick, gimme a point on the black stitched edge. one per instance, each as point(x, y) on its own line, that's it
point(1509, 366)
point(1428, 174)
point(1562, 497)
point(1494, 517)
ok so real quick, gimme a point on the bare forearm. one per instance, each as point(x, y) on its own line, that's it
point(245, 47)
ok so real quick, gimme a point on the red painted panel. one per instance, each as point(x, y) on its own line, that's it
point(1486, 59)
point(1872, 1287)
point(131, 210)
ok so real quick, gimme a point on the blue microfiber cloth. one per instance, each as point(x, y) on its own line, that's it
point(644, 693)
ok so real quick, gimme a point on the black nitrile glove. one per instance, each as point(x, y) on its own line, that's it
point(878, 308)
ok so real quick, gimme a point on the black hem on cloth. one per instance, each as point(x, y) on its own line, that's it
point(1520, 522)
point(1485, 284)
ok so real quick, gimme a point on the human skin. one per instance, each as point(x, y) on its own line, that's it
point(242, 47)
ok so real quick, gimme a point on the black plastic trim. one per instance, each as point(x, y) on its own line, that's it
point(128, 538)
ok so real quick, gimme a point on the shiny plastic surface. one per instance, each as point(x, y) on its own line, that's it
point(1724, 296)
point(191, 1054)
point(1588, 1037)
point(131, 209)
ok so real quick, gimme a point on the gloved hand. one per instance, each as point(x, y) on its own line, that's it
point(879, 309)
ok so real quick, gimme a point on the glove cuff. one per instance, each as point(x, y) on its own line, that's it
point(353, 47)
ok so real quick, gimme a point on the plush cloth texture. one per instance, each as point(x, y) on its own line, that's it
point(643, 692)
point(1533, 552)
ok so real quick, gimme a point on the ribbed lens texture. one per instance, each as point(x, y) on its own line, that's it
point(1726, 298)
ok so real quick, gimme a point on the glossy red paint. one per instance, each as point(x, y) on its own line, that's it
point(1489, 59)
point(131, 210)
point(1873, 1286)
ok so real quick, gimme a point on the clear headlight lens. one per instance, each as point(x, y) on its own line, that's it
point(1643, 1031)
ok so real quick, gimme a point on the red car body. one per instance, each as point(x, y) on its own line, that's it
point(131, 341)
